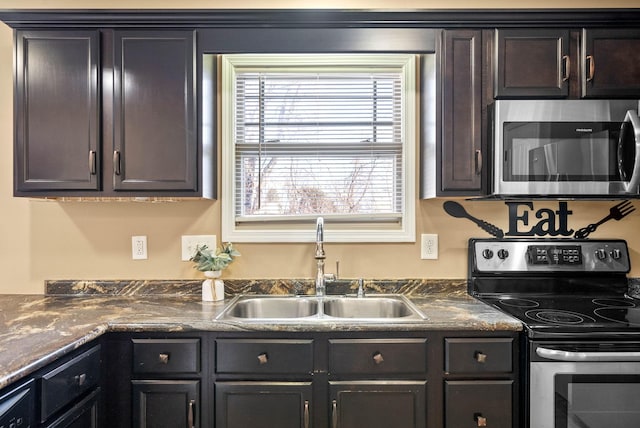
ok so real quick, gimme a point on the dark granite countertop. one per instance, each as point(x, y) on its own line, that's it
point(37, 329)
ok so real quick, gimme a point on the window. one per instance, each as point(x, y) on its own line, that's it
point(318, 135)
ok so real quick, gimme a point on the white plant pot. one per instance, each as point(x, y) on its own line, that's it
point(212, 287)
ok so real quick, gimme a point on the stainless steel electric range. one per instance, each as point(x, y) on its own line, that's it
point(581, 350)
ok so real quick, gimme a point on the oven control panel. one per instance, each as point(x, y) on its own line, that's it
point(547, 255)
point(554, 255)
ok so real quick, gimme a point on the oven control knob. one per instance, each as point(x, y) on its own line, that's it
point(601, 254)
point(487, 253)
point(503, 254)
point(616, 254)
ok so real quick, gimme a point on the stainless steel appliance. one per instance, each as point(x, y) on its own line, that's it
point(566, 147)
point(581, 348)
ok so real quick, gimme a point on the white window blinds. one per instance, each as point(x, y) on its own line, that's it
point(317, 135)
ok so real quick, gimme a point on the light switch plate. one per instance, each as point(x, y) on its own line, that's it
point(190, 242)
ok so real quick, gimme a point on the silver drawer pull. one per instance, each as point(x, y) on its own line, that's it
point(163, 358)
point(191, 418)
point(377, 358)
point(480, 357)
point(306, 414)
point(334, 414)
point(92, 162)
point(80, 379)
point(567, 68)
point(116, 162)
point(263, 358)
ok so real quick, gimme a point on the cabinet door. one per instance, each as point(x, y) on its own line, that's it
point(611, 67)
point(460, 146)
point(374, 404)
point(479, 403)
point(155, 138)
point(532, 63)
point(57, 116)
point(166, 403)
point(263, 404)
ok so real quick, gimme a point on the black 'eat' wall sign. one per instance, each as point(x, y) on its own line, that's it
point(524, 220)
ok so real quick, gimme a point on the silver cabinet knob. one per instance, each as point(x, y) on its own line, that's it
point(163, 358)
point(480, 357)
point(481, 421)
point(377, 358)
point(263, 358)
point(80, 379)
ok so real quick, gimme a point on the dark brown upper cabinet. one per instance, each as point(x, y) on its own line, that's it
point(459, 136)
point(108, 113)
point(611, 65)
point(155, 139)
point(57, 119)
point(563, 63)
point(532, 63)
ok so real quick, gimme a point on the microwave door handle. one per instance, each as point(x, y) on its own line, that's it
point(632, 185)
point(583, 357)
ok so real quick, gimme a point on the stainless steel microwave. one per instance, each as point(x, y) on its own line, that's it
point(567, 148)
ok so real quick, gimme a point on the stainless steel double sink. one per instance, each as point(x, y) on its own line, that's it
point(268, 308)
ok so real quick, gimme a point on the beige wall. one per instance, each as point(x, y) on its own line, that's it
point(69, 240)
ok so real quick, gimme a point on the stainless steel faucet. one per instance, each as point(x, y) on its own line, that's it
point(320, 280)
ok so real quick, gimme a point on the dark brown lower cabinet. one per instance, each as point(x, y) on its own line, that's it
point(263, 404)
point(166, 403)
point(478, 403)
point(375, 404)
point(312, 379)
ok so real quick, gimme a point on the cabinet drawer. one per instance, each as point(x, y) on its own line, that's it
point(478, 403)
point(82, 415)
point(69, 381)
point(267, 356)
point(377, 356)
point(478, 355)
point(166, 355)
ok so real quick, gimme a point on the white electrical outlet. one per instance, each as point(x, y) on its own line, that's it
point(139, 247)
point(429, 246)
point(190, 242)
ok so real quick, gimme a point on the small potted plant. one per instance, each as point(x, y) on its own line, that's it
point(211, 263)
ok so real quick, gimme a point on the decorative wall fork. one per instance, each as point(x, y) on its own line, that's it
point(617, 212)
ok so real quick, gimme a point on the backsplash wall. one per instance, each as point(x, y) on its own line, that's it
point(42, 240)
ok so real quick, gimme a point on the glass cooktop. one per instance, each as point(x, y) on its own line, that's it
point(601, 315)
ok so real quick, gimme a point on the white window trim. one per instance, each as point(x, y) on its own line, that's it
point(305, 232)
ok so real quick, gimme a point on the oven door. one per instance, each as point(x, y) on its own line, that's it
point(584, 389)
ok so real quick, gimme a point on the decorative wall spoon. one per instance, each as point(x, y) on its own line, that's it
point(454, 209)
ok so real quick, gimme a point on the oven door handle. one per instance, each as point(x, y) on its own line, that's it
point(558, 355)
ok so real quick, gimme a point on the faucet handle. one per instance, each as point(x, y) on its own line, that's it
point(360, 287)
point(330, 277)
